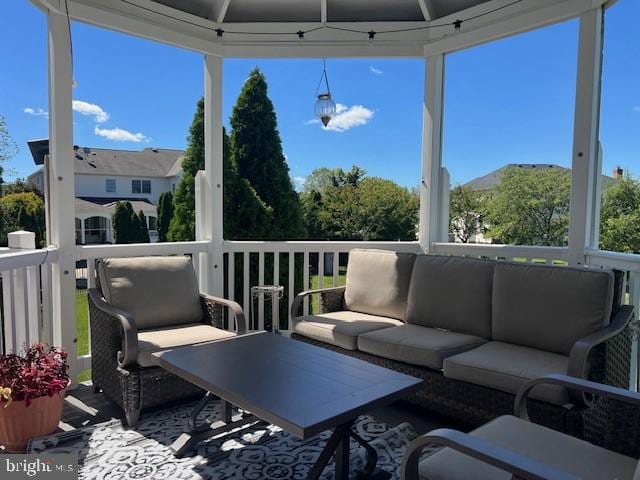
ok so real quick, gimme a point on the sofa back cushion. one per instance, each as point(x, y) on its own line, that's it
point(549, 307)
point(378, 282)
point(452, 293)
point(156, 291)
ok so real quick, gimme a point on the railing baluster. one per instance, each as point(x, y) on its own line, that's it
point(292, 284)
point(275, 313)
point(320, 269)
point(305, 277)
point(47, 316)
point(336, 269)
point(231, 282)
point(260, 297)
point(32, 304)
point(246, 305)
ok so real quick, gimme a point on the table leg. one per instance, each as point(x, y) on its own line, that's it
point(342, 457)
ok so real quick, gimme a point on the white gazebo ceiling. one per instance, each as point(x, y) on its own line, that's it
point(283, 11)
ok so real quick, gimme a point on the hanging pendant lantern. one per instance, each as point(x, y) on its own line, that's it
point(325, 106)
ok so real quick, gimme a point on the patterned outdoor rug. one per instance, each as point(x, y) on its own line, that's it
point(108, 451)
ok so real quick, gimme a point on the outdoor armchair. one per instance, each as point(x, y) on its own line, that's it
point(141, 306)
point(513, 447)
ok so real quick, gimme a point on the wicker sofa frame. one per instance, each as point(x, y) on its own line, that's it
point(129, 386)
point(609, 361)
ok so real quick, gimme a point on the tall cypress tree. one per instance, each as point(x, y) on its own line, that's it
point(121, 221)
point(144, 231)
point(165, 212)
point(257, 152)
point(245, 215)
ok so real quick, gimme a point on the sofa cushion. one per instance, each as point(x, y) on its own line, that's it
point(156, 291)
point(378, 281)
point(508, 367)
point(417, 345)
point(341, 328)
point(567, 454)
point(548, 307)
point(453, 293)
point(154, 340)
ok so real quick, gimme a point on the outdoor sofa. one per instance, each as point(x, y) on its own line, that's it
point(477, 330)
point(143, 305)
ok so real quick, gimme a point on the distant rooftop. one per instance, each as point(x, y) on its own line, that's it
point(493, 178)
point(149, 162)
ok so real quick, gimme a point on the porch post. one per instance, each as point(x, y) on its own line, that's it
point(212, 214)
point(586, 161)
point(62, 188)
point(431, 210)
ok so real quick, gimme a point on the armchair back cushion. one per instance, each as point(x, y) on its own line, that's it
point(378, 281)
point(451, 293)
point(548, 307)
point(156, 291)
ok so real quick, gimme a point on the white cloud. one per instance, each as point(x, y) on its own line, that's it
point(375, 70)
point(90, 109)
point(36, 112)
point(120, 135)
point(347, 118)
point(299, 182)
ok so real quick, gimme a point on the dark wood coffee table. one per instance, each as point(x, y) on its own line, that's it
point(301, 388)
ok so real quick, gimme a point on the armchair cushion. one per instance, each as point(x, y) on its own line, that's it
point(341, 328)
point(154, 340)
point(547, 446)
point(156, 291)
point(507, 367)
point(453, 293)
point(378, 282)
point(549, 307)
point(417, 345)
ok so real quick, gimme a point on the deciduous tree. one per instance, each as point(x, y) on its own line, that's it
point(467, 212)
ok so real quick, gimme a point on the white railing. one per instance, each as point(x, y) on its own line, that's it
point(295, 265)
point(508, 252)
point(26, 315)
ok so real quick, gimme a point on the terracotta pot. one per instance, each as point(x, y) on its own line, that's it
point(19, 423)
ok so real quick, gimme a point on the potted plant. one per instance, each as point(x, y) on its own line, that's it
point(32, 387)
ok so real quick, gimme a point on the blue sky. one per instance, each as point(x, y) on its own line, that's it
point(508, 101)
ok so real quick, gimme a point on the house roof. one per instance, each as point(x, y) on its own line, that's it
point(106, 206)
point(149, 162)
point(246, 11)
point(493, 178)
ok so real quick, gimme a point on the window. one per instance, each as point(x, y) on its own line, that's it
point(110, 185)
point(140, 186)
point(97, 230)
point(152, 223)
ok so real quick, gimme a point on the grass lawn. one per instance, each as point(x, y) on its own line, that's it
point(82, 329)
point(328, 282)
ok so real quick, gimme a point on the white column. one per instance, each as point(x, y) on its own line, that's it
point(213, 157)
point(62, 188)
point(430, 195)
point(585, 164)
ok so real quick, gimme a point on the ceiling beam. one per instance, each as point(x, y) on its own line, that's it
point(323, 11)
point(223, 11)
point(428, 11)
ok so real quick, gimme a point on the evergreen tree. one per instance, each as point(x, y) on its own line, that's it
point(122, 229)
point(245, 215)
point(165, 212)
point(136, 229)
point(144, 230)
point(257, 153)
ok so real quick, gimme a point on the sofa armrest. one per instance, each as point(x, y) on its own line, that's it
point(235, 308)
point(297, 302)
point(518, 465)
point(129, 331)
point(576, 384)
point(579, 356)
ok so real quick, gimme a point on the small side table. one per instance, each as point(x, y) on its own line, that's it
point(267, 292)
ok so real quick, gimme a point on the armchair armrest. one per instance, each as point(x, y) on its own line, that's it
point(518, 465)
point(578, 358)
point(235, 308)
point(129, 330)
point(297, 302)
point(579, 384)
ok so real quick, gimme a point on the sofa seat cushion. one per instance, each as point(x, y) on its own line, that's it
point(417, 345)
point(341, 328)
point(378, 282)
point(549, 307)
point(156, 291)
point(507, 367)
point(154, 340)
point(565, 453)
point(452, 293)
